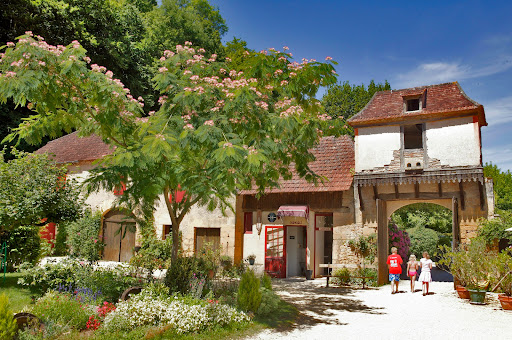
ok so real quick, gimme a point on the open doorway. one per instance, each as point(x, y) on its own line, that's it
point(296, 250)
point(420, 227)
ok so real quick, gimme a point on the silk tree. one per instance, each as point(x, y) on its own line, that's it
point(218, 129)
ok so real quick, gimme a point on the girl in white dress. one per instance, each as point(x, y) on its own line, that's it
point(425, 276)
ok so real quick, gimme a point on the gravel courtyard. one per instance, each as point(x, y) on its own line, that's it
point(337, 313)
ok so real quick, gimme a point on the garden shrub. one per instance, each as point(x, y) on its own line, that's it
point(23, 244)
point(49, 276)
point(7, 324)
point(423, 239)
point(249, 295)
point(266, 281)
point(366, 272)
point(181, 271)
point(63, 309)
point(83, 237)
point(226, 291)
point(342, 276)
point(61, 248)
point(184, 314)
point(269, 302)
point(400, 239)
point(107, 283)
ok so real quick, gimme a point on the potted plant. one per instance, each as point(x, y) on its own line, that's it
point(503, 273)
point(251, 258)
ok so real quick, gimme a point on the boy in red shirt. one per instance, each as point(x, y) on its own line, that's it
point(395, 269)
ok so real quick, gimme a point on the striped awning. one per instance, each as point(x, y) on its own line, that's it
point(293, 210)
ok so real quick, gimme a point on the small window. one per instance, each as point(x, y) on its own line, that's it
point(413, 136)
point(248, 223)
point(166, 231)
point(413, 104)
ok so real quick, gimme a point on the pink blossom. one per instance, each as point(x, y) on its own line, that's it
point(209, 123)
point(189, 127)
point(328, 58)
point(162, 69)
point(284, 82)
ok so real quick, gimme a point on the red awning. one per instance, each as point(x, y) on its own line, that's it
point(293, 210)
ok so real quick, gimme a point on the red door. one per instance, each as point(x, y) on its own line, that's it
point(275, 251)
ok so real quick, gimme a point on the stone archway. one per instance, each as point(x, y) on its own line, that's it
point(377, 198)
point(118, 230)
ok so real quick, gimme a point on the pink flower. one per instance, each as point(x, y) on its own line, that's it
point(328, 58)
point(209, 123)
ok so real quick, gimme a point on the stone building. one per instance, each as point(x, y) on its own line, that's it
point(198, 227)
point(413, 145)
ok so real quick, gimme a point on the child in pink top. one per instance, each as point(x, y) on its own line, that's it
point(412, 267)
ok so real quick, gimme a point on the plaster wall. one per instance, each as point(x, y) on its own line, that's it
point(374, 146)
point(198, 217)
point(454, 142)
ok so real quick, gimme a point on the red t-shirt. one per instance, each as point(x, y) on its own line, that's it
point(395, 264)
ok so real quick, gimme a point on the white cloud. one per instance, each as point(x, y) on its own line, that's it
point(499, 111)
point(499, 155)
point(439, 72)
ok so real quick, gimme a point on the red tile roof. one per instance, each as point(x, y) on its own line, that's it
point(442, 101)
point(71, 148)
point(334, 160)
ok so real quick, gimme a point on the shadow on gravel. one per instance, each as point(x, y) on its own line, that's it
point(318, 304)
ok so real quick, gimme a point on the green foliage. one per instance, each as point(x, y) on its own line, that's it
point(471, 264)
point(502, 181)
point(8, 326)
point(73, 275)
point(269, 302)
point(423, 239)
point(345, 100)
point(494, 229)
point(153, 253)
point(365, 247)
point(83, 237)
point(211, 256)
point(266, 281)
point(23, 244)
point(366, 272)
point(249, 294)
point(181, 272)
point(427, 215)
point(61, 308)
point(342, 276)
point(217, 129)
point(32, 188)
point(61, 248)
point(501, 268)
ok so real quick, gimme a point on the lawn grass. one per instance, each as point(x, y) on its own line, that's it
point(19, 296)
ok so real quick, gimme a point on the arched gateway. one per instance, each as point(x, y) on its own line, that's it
point(414, 145)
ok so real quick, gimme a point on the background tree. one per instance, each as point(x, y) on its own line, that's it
point(502, 186)
point(345, 100)
point(126, 36)
point(218, 129)
point(32, 187)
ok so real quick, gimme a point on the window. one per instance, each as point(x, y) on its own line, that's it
point(166, 231)
point(248, 223)
point(413, 136)
point(413, 104)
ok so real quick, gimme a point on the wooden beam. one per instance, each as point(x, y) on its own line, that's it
point(375, 193)
point(382, 242)
point(361, 204)
point(440, 189)
point(397, 193)
point(416, 190)
point(482, 198)
point(461, 191)
point(422, 195)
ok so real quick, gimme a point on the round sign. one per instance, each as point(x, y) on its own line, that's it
point(272, 217)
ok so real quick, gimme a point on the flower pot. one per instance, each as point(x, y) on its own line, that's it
point(309, 274)
point(463, 292)
point(211, 273)
point(506, 301)
point(251, 261)
point(476, 296)
point(130, 291)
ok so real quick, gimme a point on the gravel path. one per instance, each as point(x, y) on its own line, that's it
point(336, 313)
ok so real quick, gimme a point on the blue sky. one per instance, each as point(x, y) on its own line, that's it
point(408, 43)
